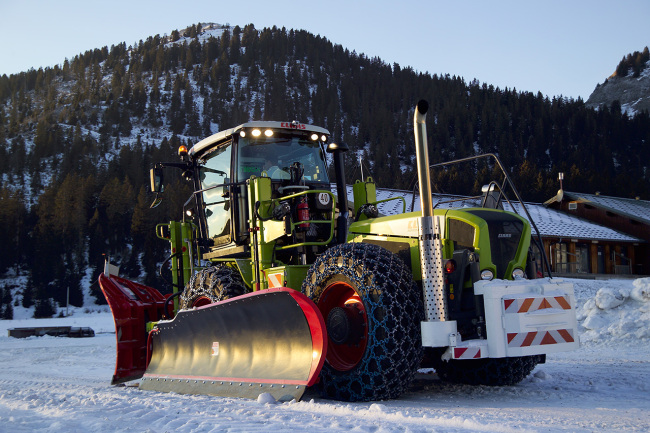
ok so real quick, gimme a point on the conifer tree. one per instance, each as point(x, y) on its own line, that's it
point(114, 112)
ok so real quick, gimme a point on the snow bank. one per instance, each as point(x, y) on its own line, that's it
point(619, 311)
point(99, 319)
point(59, 385)
point(608, 311)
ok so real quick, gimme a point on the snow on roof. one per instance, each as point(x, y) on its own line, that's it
point(632, 208)
point(549, 222)
point(553, 223)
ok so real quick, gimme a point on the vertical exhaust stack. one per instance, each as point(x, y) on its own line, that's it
point(422, 157)
point(430, 231)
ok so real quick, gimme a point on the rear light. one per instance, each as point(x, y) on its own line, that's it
point(450, 266)
point(487, 274)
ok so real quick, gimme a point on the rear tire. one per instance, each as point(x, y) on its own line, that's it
point(211, 285)
point(486, 371)
point(373, 311)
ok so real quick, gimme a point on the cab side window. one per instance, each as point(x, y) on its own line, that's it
point(214, 175)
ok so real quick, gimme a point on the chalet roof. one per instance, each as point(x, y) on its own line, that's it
point(554, 223)
point(550, 222)
point(635, 209)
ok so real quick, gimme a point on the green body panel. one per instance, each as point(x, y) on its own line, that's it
point(482, 243)
point(403, 228)
point(403, 225)
point(292, 275)
point(180, 236)
point(245, 268)
point(364, 192)
point(259, 189)
point(413, 254)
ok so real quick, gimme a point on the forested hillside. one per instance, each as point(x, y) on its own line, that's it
point(77, 140)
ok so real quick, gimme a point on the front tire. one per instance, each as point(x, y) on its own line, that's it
point(373, 311)
point(210, 285)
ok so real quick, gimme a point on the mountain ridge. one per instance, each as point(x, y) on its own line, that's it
point(77, 140)
point(629, 91)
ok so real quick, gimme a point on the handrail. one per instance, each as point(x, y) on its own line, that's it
point(391, 199)
point(296, 224)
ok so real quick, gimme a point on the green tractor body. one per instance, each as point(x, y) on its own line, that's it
point(281, 283)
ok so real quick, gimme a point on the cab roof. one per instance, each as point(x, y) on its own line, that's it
point(226, 134)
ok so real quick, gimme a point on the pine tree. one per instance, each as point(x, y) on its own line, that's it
point(44, 308)
point(176, 113)
point(6, 306)
point(28, 293)
point(8, 312)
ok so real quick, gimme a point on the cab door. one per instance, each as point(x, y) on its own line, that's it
point(214, 179)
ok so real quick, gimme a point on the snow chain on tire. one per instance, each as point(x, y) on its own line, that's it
point(394, 310)
point(215, 284)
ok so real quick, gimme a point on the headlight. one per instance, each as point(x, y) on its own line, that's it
point(486, 274)
point(518, 274)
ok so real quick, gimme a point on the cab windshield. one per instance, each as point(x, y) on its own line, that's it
point(274, 155)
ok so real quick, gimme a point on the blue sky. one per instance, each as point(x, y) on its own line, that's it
point(558, 47)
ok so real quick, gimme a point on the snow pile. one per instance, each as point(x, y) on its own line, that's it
point(616, 312)
point(266, 398)
point(61, 385)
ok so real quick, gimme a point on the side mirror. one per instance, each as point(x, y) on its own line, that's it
point(157, 187)
point(225, 189)
point(156, 177)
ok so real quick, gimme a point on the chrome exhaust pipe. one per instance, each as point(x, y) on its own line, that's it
point(422, 157)
point(430, 229)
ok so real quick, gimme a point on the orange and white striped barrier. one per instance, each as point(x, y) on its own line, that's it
point(528, 305)
point(473, 352)
point(275, 280)
point(527, 339)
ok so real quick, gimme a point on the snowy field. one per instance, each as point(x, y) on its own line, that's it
point(50, 384)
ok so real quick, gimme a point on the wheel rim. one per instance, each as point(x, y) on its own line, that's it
point(201, 301)
point(345, 356)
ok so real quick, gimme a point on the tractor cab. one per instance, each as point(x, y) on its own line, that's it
point(243, 171)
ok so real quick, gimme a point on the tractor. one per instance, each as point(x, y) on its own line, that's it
point(280, 283)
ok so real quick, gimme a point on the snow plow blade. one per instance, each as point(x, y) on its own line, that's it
point(132, 305)
point(272, 341)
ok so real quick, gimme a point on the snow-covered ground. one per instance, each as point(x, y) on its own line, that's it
point(62, 385)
